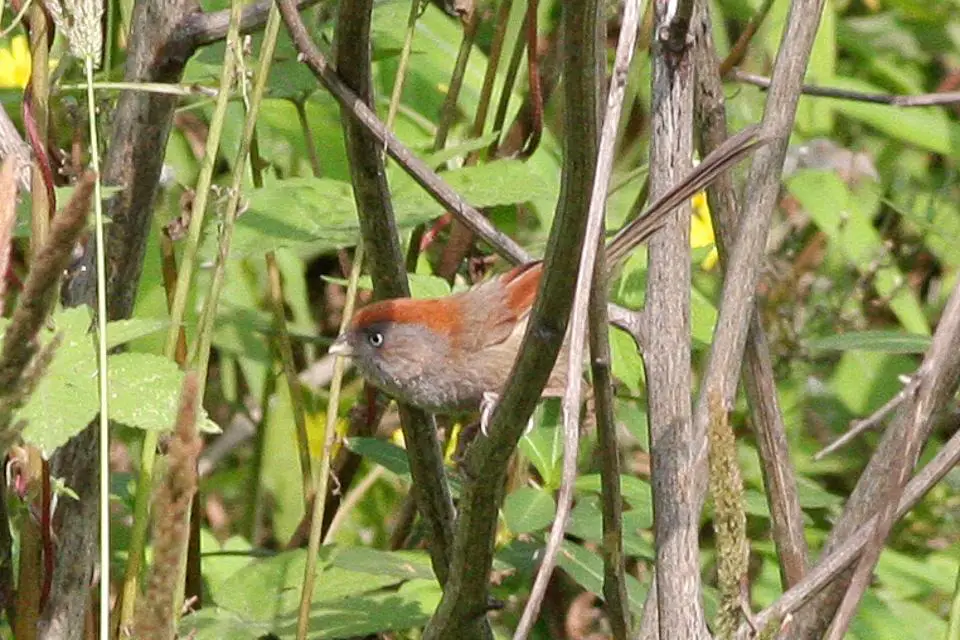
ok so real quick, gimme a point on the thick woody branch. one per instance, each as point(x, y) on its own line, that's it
point(133, 161)
point(758, 380)
point(673, 442)
point(740, 282)
point(465, 595)
point(201, 28)
point(381, 239)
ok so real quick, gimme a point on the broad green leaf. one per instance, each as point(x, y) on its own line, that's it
point(384, 453)
point(66, 398)
point(401, 564)
point(421, 285)
point(496, 183)
point(358, 615)
point(935, 215)
point(885, 341)
point(543, 446)
point(635, 491)
point(144, 390)
point(586, 568)
point(318, 215)
point(123, 331)
point(391, 457)
point(437, 158)
point(626, 363)
point(865, 380)
point(586, 522)
point(528, 509)
point(270, 587)
point(280, 474)
point(926, 127)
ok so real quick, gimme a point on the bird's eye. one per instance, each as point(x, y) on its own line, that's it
point(375, 339)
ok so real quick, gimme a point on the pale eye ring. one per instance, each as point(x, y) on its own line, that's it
point(375, 339)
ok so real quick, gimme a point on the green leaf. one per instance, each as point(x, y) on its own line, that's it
point(421, 285)
point(635, 491)
point(401, 564)
point(318, 215)
point(357, 615)
point(437, 158)
point(384, 453)
point(123, 331)
point(884, 341)
point(65, 400)
point(586, 568)
point(543, 446)
point(586, 521)
point(497, 183)
point(144, 390)
point(528, 509)
point(926, 127)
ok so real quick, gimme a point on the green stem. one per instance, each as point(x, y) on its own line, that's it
point(141, 513)
point(101, 362)
point(320, 478)
point(285, 353)
point(200, 353)
point(404, 60)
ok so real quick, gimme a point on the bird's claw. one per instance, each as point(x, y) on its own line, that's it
point(488, 404)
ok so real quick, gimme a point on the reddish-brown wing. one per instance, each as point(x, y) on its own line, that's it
point(494, 308)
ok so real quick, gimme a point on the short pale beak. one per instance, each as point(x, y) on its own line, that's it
point(341, 347)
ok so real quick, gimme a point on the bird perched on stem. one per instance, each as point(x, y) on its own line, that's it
point(454, 354)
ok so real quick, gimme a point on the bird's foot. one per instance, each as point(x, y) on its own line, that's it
point(488, 404)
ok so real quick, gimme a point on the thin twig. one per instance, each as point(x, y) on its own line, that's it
point(739, 50)
point(578, 322)
point(351, 500)
point(285, 353)
point(859, 426)
point(449, 110)
point(922, 100)
point(401, 75)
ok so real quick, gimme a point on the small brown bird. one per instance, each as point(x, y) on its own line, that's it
point(454, 354)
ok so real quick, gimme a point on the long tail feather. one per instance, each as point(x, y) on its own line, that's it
point(728, 154)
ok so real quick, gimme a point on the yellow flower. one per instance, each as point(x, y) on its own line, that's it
point(15, 63)
point(701, 230)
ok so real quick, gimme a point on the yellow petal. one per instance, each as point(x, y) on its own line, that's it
point(7, 69)
point(22, 60)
